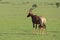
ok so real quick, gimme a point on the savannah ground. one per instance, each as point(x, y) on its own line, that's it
point(14, 24)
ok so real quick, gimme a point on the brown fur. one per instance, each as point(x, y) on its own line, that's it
point(37, 20)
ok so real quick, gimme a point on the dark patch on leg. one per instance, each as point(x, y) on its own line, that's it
point(44, 25)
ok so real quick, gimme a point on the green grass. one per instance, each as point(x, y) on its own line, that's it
point(14, 25)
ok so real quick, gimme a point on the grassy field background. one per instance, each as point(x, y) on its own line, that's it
point(14, 25)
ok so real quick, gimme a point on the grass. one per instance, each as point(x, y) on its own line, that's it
point(14, 25)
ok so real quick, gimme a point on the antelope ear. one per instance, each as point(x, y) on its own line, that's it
point(30, 10)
